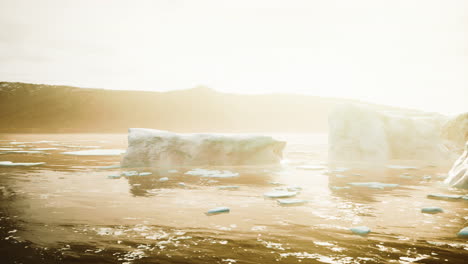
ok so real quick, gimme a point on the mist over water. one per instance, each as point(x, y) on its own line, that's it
point(69, 211)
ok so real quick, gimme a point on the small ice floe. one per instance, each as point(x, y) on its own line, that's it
point(114, 176)
point(182, 184)
point(23, 164)
point(401, 167)
point(145, 173)
point(228, 187)
point(294, 188)
point(279, 194)
point(432, 210)
point(212, 173)
point(406, 176)
point(129, 173)
point(360, 230)
point(163, 179)
point(44, 149)
point(339, 187)
point(374, 185)
point(463, 233)
point(291, 201)
point(96, 152)
point(310, 167)
point(444, 196)
point(173, 171)
point(116, 166)
point(218, 210)
point(340, 176)
point(275, 183)
point(427, 177)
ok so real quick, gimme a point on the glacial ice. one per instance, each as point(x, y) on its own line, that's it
point(458, 175)
point(148, 148)
point(218, 210)
point(360, 230)
point(366, 135)
point(212, 173)
point(96, 152)
point(444, 196)
point(23, 164)
point(163, 179)
point(145, 173)
point(291, 201)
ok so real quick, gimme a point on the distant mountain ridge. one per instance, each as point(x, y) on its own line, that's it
point(39, 108)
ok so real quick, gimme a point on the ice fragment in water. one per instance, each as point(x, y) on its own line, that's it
point(218, 210)
point(164, 179)
point(360, 230)
point(116, 166)
point(279, 194)
point(212, 173)
point(145, 173)
point(432, 210)
point(24, 164)
point(374, 185)
point(340, 187)
point(291, 201)
point(129, 173)
point(96, 152)
point(444, 196)
point(232, 187)
point(182, 184)
point(463, 233)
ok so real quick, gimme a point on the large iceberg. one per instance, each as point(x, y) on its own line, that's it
point(364, 134)
point(458, 175)
point(155, 148)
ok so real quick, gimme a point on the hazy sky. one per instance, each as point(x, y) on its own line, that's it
point(409, 53)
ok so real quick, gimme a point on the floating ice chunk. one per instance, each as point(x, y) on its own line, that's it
point(432, 210)
point(24, 164)
point(458, 175)
point(444, 196)
point(218, 210)
point(96, 152)
point(340, 176)
point(374, 185)
point(340, 187)
point(173, 171)
point(114, 176)
point(212, 173)
point(291, 201)
point(279, 194)
point(129, 173)
point(182, 184)
point(427, 177)
point(163, 179)
point(311, 167)
point(463, 233)
point(116, 166)
point(145, 173)
point(275, 183)
point(148, 147)
point(229, 187)
point(360, 230)
point(294, 188)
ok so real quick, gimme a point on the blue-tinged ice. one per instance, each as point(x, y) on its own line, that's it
point(164, 179)
point(463, 233)
point(432, 210)
point(444, 196)
point(145, 173)
point(360, 230)
point(116, 166)
point(130, 173)
point(218, 210)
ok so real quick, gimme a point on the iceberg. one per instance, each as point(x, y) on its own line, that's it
point(22, 164)
point(367, 135)
point(96, 152)
point(458, 175)
point(152, 148)
point(463, 233)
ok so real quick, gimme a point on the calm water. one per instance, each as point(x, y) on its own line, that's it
point(69, 211)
